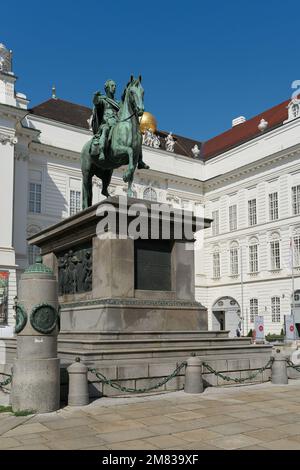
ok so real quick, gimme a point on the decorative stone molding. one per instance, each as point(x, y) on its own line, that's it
point(5, 139)
point(43, 318)
point(132, 302)
point(293, 110)
point(21, 318)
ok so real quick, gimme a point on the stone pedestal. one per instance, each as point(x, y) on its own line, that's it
point(109, 283)
point(127, 305)
point(36, 371)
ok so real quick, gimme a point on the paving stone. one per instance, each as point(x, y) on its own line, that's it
point(234, 442)
point(266, 422)
point(26, 429)
point(165, 442)
point(267, 435)
point(31, 447)
point(186, 415)
point(64, 423)
point(8, 442)
point(11, 422)
point(232, 428)
point(282, 444)
point(129, 435)
point(116, 426)
point(77, 443)
point(290, 429)
point(133, 445)
point(64, 434)
point(197, 435)
point(156, 420)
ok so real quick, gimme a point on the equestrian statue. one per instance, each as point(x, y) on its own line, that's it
point(117, 138)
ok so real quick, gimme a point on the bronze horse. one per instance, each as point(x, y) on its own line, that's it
point(124, 145)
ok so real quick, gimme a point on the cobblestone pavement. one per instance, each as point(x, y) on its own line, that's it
point(262, 417)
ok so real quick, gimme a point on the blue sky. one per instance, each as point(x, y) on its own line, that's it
point(203, 63)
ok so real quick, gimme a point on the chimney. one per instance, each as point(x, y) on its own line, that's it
point(238, 120)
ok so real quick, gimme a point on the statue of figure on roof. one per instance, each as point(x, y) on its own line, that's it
point(170, 143)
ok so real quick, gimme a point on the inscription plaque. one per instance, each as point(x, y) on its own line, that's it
point(152, 260)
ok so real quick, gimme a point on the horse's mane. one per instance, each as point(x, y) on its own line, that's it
point(131, 82)
point(124, 92)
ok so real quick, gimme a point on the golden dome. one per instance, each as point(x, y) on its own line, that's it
point(148, 121)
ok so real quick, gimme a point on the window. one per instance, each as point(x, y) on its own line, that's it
point(232, 217)
point(252, 212)
point(215, 223)
point(253, 258)
point(273, 206)
point(35, 197)
point(296, 249)
point(75, 201)
point(296, 199)
point(150, 194)
point(216, 265)
point(253, 309)
point(275, 307)
point(234, 261)
point(275, 254)
point(33, 252)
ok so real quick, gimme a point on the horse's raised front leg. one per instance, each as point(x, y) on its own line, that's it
point(87, 189)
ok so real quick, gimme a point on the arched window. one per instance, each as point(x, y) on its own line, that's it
point(253, 309)
point(275, 308)
point(150, 194)
point(234, 259)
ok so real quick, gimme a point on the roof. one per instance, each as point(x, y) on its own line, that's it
point(77, 115)
point(246, 131)
point(63, 111)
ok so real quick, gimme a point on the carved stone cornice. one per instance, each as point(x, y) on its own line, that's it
point(8, 139)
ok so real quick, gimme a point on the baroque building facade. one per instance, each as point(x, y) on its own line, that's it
point(246, 179)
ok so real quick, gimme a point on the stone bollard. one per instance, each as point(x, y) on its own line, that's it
point(279, 369)
point(36, 371)
point(193, 376)
point(78, 384)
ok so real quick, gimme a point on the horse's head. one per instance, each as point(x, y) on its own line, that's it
point(134, 92)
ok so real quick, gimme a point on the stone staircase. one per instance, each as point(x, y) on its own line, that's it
point(141, 359)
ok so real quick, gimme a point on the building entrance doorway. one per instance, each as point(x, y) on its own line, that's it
point(297, 311)
point(226, 315)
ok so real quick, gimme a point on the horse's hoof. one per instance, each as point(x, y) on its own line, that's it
point(105, 193)
point(143, 166)
point(125, 178)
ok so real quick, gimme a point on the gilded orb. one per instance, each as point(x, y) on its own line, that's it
point(148, 121)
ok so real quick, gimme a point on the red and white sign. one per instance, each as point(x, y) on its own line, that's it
point(259, 327)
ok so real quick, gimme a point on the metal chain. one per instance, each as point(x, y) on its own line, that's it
point(289, 363)
point(115, 385)
point(6, 381)
point(236, 379)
